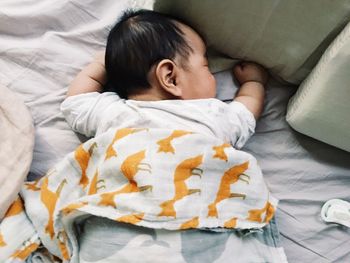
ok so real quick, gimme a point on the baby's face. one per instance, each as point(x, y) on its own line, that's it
point(196, 78)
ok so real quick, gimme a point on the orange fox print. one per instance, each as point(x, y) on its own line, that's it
point(70, 208)
point(231, 223)
point(2, 241)
point(62, 244)
point(95, 184)
point(83, 158)
point(16, 208)
point(231, 176)
point(132, 164)
point(32, 185)
point(130, 167)
point(22, 254)
point(49, 199)
point(193, 223)
point(121, 133)
point(220, 151)
point(131, 219)
point(165, 144)
point(256, 214)
point(183, 171)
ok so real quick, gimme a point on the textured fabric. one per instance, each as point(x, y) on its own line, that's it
point(321, 107)
point(156, 178)
point(275, 33)
point(128, 243)
point(18, 237)
point(16, 146)
point(94, 113)
point(301, 172)
point(43, 46)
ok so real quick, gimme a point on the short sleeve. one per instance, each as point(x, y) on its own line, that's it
point(241, 124)
point(84, 112)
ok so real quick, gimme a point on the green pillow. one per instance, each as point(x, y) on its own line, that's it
point(321, 107)
point(288, 36)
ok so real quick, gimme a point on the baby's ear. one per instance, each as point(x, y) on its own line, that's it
point(167, 75)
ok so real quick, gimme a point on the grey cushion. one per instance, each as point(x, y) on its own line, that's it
point(286, 36)
point(321, 107)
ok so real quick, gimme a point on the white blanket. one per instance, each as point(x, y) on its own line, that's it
point(16, 146)
point(156, 178)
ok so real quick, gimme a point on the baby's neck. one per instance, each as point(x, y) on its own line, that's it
point(150, 95)
point(144, 97)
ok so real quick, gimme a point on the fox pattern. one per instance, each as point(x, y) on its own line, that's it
point(157, 178)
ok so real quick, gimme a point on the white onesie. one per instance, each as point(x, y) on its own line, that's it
point(94, 113)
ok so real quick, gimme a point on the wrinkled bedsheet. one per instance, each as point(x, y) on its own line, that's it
point(43, 46)
point(303, 174)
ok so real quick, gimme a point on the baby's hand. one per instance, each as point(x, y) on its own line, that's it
point(250, 71)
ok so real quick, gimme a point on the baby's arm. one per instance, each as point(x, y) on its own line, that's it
point(91, 78)
point(252, 78)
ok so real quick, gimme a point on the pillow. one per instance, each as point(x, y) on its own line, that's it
point(321, 107)
point(16, 144)
point(288, 37)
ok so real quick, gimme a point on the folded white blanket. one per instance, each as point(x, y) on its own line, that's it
point(16, 146)
point(156, 178)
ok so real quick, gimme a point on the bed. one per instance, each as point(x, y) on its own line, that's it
point(44, 45)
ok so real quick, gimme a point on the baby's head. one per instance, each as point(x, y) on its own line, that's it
point(151, 56)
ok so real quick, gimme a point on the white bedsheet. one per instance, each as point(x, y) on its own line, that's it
point(43, 46)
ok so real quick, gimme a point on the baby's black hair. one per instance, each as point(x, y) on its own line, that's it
point(138, 41)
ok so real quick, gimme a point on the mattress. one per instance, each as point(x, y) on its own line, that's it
point(45, 45)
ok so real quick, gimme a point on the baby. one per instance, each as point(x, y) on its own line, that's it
point(162, 154)
point(166, 161)
point(157, 70)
